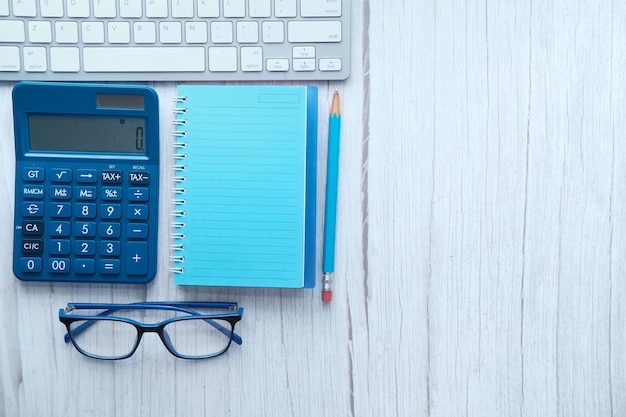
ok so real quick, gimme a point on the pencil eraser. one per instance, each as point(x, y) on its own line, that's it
point(327, 296)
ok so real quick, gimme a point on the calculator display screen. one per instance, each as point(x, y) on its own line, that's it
point(87, 134)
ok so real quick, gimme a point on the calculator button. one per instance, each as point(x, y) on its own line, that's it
point(34, 209)
point(111, 176)
point(31, 192)
point(137, 212)
point(111, 193)
point(86, 176)
point(61, 192)
point(85, 229)
point(137, 258)
point(32, 247)
point(110, 248)
point(61, 175)
point(85, 211)
point(109, 266)
point(30, 265)
point(59, 265)
point(139, 177)
point(32, 228)
point(137, 230)
point(86, 193)
point(84, 266)
point(110, 211)
point(60, 229)
point(35, 174)
point(85, 247)
point(110, 230)
point(59, 247)
point(140, 194)
point(60, 210)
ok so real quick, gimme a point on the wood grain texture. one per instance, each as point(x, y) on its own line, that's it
point(479, 259)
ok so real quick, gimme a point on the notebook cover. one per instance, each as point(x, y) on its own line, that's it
point(249, 189)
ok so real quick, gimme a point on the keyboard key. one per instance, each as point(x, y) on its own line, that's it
point(277, 64)
point(64, 59)
point(221, 32)
point(137, 212)
point(304, 64)
point(251, 58)
point(144, 32)
point(105, 8)
point(208, 8)
point(12, 31)
point(137, 230)
point(223, 58)
point(247, 32)
point(196, 32)
point(35, 59)
point(4, 7)
point(118, 32)
point(110, 247)
point(61, 175)
point(51, 8)
point(77, 8)
point(92, 32)
point(143, 59)
point(330, 64)
point(170, 32)
point(234, 8)
point(156, 8)
point(9, 58)
point(130, 9)
point(59, 247)
point(66, 32)
point(285, 8)
point(260, 8)
point(273, 32)
point(26, 8)
point(320, 8)
point(182, 8)
point(39, 31)
point(314, 31)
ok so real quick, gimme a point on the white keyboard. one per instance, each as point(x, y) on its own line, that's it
point(179, 40)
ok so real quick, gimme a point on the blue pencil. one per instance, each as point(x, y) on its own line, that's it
point(330, 211)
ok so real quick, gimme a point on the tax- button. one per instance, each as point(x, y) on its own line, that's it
point(139, 177)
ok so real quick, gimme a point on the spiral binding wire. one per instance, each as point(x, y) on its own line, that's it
point(178, 189)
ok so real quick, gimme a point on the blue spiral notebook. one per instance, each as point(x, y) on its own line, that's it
point(245, 186)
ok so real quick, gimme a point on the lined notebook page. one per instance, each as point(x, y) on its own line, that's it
point(245, 186)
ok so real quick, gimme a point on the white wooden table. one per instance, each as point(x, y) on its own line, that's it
point(481, 241)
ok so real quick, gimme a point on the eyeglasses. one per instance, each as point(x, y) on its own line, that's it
point(191, 335)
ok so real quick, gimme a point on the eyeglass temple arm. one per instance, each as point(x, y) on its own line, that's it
point(154, 306)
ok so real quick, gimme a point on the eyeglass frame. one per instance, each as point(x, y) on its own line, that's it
point(179, 306)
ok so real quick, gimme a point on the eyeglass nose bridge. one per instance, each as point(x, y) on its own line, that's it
point(159, 329)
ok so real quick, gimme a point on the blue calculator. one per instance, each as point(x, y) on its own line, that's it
point(86, 182)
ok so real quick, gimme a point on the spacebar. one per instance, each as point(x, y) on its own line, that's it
point(144, 59)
